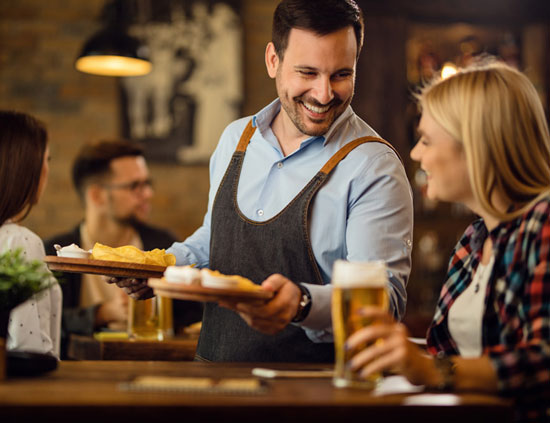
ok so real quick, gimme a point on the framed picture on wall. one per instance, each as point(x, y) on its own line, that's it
point(179, 110)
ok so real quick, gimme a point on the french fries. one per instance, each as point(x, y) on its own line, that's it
point(131, 254)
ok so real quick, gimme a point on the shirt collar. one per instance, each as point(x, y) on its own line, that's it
point(262, 120)
point(479, 235)
point(481, 232)
point(337, 124)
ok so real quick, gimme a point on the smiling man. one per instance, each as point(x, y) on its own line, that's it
point(314, 86)
point(300, 184)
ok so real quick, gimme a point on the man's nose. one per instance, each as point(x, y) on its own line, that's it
point(146, 191)
point(323, 90)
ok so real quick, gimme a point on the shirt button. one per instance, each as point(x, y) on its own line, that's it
point(409, 243)
point(260, 212)
point(280, 165)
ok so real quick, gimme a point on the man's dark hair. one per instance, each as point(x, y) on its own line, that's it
point(23, 142)
point(322, 17)
point(92, 164)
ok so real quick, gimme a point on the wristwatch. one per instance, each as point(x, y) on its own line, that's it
point(304, 305)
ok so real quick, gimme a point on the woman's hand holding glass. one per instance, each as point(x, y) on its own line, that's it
point(389, 349)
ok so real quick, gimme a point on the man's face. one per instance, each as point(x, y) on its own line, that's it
point(315, 79)
point(129, 190)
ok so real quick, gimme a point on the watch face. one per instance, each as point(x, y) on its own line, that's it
point(303, 306)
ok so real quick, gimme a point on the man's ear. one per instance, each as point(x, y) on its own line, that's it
point(95, 194)
point(271, 60)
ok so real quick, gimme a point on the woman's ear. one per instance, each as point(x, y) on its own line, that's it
point(271, 60)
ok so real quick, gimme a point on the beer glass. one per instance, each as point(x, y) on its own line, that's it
point(355, 285)
point(150, 319)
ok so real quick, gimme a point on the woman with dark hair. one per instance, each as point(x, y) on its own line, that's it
point(35, 324)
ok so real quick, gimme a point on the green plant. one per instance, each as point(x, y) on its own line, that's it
point(20, 278)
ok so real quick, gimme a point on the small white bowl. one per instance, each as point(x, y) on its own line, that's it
point(72, 251)
point(182, 274)
point(218, 281)
point(74, 254)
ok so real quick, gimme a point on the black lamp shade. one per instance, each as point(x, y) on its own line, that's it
point(113, 52)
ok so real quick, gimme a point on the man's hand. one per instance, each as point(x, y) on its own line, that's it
point(273, 316)
point(135, 288)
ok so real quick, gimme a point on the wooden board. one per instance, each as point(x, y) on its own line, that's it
point(199, 293)
point(104, 267)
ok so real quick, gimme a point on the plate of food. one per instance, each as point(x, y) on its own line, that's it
point(205, 285)
point(127, 261)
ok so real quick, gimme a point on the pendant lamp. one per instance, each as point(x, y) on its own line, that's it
point(112, 52)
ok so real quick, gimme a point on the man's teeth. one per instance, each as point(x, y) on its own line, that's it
point(316, 109)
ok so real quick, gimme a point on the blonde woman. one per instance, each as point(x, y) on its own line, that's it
point(484, 143)
point(34, 326)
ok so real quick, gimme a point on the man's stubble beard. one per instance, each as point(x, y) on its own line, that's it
point(292, 106)
point(131, 221)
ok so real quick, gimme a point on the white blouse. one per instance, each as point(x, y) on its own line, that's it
point(34, 325)
point(466, 313)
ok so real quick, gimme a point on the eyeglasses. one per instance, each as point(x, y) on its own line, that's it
point(133, 186)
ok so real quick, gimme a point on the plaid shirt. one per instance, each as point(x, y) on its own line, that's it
point(516, 320)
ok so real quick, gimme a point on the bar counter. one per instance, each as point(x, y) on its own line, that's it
point(91, 391)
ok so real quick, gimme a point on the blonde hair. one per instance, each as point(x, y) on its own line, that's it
point(494, 111)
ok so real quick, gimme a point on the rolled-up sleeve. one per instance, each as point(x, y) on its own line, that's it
point(378, 226)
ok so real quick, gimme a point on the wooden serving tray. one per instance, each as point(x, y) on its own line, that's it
point(104, 267)
point(200, 293)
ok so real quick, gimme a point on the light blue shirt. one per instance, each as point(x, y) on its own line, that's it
point(363, 212)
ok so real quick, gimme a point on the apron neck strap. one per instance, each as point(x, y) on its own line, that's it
point(344, 151)
point(245, 137)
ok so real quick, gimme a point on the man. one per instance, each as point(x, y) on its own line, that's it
point(281, 212)
point(113, 182)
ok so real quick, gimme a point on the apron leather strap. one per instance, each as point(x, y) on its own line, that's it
point(245, 137)
point(343, 152)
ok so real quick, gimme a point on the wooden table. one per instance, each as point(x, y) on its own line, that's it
point(89, 391)
point(174, 349)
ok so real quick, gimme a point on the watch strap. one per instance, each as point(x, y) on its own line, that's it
point(304, 305)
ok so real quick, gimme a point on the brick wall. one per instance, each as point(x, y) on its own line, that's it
point(39, 41)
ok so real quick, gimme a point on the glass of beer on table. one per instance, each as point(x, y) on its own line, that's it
point(355, 285)
point(150, 319)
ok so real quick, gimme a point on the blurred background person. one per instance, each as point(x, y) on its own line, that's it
point(24, 154)
point(113, 182)
point(484, 143)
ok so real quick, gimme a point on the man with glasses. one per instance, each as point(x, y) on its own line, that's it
point(114, 185)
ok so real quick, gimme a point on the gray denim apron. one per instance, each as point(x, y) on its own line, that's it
point(256, 250)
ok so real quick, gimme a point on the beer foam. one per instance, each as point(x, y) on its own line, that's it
point(355, 274)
